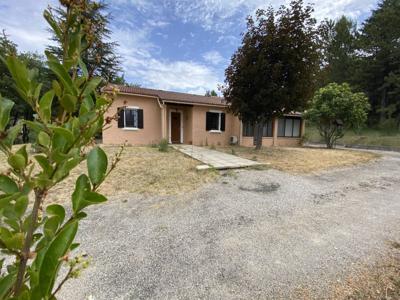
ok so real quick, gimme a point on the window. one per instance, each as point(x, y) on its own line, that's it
point(130, 118)
point(215, 121)
point(289, 127)
point(248, 129)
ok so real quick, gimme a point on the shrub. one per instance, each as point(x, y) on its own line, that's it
point(37, 239)
point(163, 145)
point(336, 108)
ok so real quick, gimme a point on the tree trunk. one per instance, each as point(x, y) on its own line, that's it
point(382, 114)
point(258, 133)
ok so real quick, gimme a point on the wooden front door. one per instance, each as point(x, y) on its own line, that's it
point(175, 127)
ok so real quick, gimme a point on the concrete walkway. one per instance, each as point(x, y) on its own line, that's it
point(215, 159)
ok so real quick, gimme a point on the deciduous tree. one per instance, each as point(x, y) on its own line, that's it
point(336, 108)
point(274, 70)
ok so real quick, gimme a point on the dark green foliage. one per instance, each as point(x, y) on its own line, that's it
point(99, 53)
point(380, 61)
point(338, 46)
point(274, 70)
point(211, 93)
point(336, 108)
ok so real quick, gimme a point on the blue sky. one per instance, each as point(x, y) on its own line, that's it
point(180, 45)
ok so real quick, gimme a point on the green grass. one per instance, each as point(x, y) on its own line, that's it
point(367, 136)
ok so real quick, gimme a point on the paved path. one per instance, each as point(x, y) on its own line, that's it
point(215, 159)
point(256, 235)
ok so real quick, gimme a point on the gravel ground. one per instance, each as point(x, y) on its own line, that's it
point(253, 235)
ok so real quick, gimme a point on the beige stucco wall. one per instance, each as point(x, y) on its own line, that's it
point(151, 132)
point(203, 137)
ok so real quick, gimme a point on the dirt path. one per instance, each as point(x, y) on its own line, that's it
point(253, 235)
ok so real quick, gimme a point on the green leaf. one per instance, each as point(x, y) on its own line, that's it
point(61, 73)
point(19, 72)
point(69, 102)
point(44, 139)
point(51, 226)
point(82, 196)
point(44, 163)
point(92, 85)
point(82, 185)
point(54, 25)
point(17, 161)
point(12, 134)
point(7, 185)
point(56, 210)
point(5, 109)
point(51, 261)
point(20, 205)
point(97, 165)
point(62, 138)
point(45, 106)
point(83, 67)
point(6, 284)
point(64, 169)
point(23, 152)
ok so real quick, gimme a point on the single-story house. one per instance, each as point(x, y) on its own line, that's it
point(147, 116)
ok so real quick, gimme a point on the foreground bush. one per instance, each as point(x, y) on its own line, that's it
point(38, 238)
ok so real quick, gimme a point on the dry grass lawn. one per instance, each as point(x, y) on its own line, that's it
point(302, 160)
point(142, 170)
point(378, 281)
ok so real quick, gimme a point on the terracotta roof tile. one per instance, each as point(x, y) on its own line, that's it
point(169, 96)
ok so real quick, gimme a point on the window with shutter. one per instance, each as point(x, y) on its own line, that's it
point(215, 121)
point(130, 118)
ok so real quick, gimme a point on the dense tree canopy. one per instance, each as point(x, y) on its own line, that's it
point(338, 46)
point(380, 65)
point(274, 70)
point(336, 108)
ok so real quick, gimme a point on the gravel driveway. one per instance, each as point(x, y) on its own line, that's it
point(261, 234)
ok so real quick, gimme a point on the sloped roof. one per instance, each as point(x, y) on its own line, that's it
point(167, 96)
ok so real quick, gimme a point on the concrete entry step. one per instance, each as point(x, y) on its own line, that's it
point(214, 158)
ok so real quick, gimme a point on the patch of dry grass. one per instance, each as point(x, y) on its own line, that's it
point(378, 281)
point(142, 170)
point(302, 160)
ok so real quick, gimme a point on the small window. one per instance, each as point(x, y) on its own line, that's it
point(289, 127)
point(130, 118)
point(267, 129)
point(215, 121)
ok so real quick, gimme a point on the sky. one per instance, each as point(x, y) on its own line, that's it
point(178, 45)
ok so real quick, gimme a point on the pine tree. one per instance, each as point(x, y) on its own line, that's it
point(380, 66)
point(100, 54)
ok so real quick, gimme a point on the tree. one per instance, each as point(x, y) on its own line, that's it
point(274, 70)
point(21, 109)
point(336, 108)
point(100, 54)
point(379, 48)
point(211, 93)
point(37, 239)
point(339, 45)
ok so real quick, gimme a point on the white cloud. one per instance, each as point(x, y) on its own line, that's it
point(24, 23)
point(141, 64)
point(213, 57)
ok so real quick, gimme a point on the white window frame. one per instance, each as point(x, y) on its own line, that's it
point(130, 128)
point(219, 121)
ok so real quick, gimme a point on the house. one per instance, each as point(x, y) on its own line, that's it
point(147, 116)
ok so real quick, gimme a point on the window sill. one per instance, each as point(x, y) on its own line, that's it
point(215, 131)
point(130, 128)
